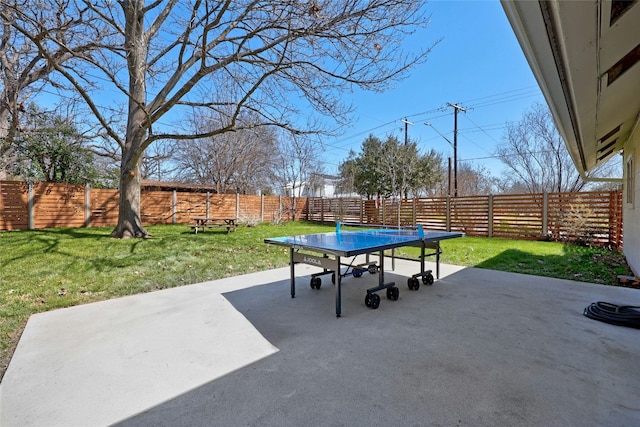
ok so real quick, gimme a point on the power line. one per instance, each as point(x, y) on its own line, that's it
point(526, 91)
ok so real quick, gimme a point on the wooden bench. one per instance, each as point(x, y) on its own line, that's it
point(202, 223)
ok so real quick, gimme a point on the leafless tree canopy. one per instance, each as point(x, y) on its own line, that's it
point(537, 156)
point(240, 161)
point(295, 167)
point(474, 181)
point(278, 59)
point(295, 163)
point(26, 68)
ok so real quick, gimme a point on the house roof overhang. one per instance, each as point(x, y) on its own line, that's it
point(584, 55)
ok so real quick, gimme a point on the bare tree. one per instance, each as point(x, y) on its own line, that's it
point(169, 57)
point(239, 161)
point(295, 167)
point(538, 158)
point(26, 67)
point(157, 162)
point(536, 155)
point(473, 181)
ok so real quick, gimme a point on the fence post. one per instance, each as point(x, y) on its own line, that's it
point(87, 205)
point(321, 210)
point(237, 205)
point(261, 207)
point(174, 208)
point(448, 213)
point(413, 213)
point(545, 213)
point(31, 207)
point(490, 224)
point(361, 211)
point(207, 205)
point(383, 204)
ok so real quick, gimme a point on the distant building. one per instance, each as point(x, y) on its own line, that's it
point(320, 185)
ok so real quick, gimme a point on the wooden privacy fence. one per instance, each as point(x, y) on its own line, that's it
point(25, 205)
point(593, 218)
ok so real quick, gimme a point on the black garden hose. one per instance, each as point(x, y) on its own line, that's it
point(621, 315)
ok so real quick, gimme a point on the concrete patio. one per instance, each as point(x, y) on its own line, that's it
point(478, 348)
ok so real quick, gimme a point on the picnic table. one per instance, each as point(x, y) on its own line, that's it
point(204, 222)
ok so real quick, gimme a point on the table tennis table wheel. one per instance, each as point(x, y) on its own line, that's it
point(333, 278)
point(372, 300)
point(427, 279)
point(316, 282)
point(375, 301)
point(393, 293)
point(372, 268)
point(357, 273)
point(413, 283)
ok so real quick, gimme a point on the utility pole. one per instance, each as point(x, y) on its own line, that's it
point(404, 169)
point(456, 108)
point(406, 130)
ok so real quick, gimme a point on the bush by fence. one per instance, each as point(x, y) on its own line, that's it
point(593, 218)
point(25, 205)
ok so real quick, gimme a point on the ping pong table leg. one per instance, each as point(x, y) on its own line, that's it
point(293, 273)
point(338, 288)
point(422, 246)
point(437, 259)
point(381, 269)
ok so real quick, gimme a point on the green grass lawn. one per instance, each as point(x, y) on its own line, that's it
point(48, 269)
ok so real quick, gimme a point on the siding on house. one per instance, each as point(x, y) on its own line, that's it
point(631, 208)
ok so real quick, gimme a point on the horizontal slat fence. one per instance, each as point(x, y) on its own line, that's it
point(593, 218)
point(58, 205)
point(586, 217)
point(14, 205)
point(432, 213)
point(470, 215)
point(583, 217)
point(103, 207)
point(25, 205)
point(518, 216)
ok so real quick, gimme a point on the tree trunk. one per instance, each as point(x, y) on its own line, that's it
point(129, 220)
point(6, 142)
point(136, 46)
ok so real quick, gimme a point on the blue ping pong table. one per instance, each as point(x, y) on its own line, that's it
point(333, 246)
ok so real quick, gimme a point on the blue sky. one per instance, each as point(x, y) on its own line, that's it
point(478, 65)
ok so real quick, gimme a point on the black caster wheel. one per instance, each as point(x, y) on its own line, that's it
point(316, 282)
point(333, 278)
point(375, 301)
point(428, 279)
point(393, 293)
point(357, 273)
point(367, 299)
point(413, 283)
point(372, 268)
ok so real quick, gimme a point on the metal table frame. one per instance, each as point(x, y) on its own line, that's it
point(330, 260)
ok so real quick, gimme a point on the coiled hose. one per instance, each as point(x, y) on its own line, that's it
point(621, 315)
